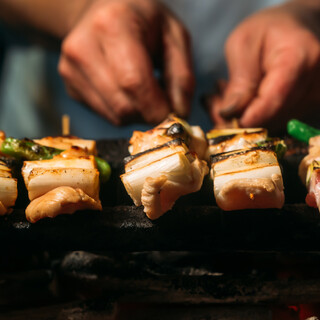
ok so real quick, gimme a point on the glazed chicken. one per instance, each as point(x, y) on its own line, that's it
point(247, 179)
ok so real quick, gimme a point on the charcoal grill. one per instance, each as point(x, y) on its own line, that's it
point(195, 262)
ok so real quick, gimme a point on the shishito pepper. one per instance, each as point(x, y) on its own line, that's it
point(301, 131)
point(27, 149)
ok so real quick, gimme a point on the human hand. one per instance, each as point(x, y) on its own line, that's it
point(107, 61)
point(274, 68)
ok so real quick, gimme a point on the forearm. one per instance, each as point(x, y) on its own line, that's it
point(54, 18)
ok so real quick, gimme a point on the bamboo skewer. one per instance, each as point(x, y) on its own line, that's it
point(65, 125)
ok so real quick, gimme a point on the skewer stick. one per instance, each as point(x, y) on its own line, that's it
point(235, 123)
point(65, 125)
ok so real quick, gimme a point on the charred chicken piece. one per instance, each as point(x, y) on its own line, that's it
point(170, 129)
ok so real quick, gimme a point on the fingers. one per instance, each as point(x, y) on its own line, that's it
point(113, 76)
point(178, 66)
point(131, 65)
point(271, 57)
point(243, 53)
point(106, 63)
point(282, 86)
point(89, 83)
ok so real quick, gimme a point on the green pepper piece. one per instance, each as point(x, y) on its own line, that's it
point(27, 149)
point(301, 131)
point(104, 169)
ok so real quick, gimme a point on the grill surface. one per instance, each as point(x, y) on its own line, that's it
point(257, 261)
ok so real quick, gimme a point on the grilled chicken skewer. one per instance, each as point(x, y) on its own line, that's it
point(247, 179)
point(27, 149)
point(165, 165)
point(158, 177)
point(244, 168)
point(63, 184)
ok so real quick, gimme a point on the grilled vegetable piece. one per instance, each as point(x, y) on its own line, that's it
point(61, 200)
point(162, 175)
point(225, 140)
point(43, 175)
point(170, 129)
point(66, 142)
point(142, 159)
point(247, 179)
point(8, 189)
point(27, 149)
point(301, 131)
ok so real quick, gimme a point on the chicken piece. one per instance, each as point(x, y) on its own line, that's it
point(73, 152)
point(151, 199)
point(225, 140)
point(313, 154)
point(160, 182)
point(8, 189)
point(65, 143)
point(247, 179)
point(198, 143)
point(312, 183)
point(170, 129)
point(314, 142)
point(160, 194)
point(66, 175)
point(61, 200)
